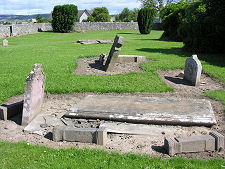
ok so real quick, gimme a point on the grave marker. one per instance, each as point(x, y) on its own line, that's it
point(34, 94)
point(5, 42)
point(114, 53)
point(193, 70)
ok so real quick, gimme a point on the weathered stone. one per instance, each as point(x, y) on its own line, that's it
point(104, 41)
point(131, 58)
point(4, 42)
point(114, 53)
point(219, 140)
point(212, 142)
point(145, 110)
point(84, 135)
point(193, 70)
point(34, 94)
point(7, 111)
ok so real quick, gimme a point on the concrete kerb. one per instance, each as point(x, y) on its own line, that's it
point(84, 135)
point(212, 142)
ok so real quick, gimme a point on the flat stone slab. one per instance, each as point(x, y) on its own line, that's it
point(150, 110)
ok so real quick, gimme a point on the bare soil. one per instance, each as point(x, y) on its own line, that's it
point(58, 104)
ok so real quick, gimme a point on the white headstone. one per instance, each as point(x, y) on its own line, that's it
point(4, 42)
point(193, 70)
point(34, 94)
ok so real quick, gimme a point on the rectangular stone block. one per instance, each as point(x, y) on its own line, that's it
point(192, 144)
point(84, 135)
point(34, 94)
point(196, 144)
point(4, 42)
point(7, 111)
point(131, 58)
point(219, 140)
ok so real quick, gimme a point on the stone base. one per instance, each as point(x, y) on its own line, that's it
point(212, 142)
point(84, 135)
point(131, 58)
point(7, 111)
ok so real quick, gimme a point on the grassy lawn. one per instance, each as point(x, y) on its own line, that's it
point(58, 56)
point(21, 155)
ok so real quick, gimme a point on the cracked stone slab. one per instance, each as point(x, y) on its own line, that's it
point(152, 110)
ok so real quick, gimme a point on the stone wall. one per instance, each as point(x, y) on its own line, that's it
point(24, 29)
point(106, 26)
point(4, 31)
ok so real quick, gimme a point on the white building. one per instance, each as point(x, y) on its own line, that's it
point(84, 14)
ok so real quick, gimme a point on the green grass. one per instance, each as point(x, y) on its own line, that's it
point(218, 95)
point(21, 155)
point(58, 56)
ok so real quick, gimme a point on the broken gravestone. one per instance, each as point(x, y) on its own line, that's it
point(4, 42)
point(193, 70)
point(114, 53)
point(34, 94)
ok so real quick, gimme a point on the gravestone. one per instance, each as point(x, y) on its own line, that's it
point(12, 30)
point(113, 54)
point(5, 42)
point(193, 70)
point(34, 94)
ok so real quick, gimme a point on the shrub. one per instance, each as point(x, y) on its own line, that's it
point(172, 15)
point(146, 17)
point(64, 18)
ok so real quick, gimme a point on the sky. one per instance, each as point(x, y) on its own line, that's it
point(29, 7)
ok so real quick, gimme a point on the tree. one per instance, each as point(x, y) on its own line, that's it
point(146, 17)
point(100, 15)
point(38, 18)
point(127, 15)
point(41, 19)
point(64, 18)
point(157, 4)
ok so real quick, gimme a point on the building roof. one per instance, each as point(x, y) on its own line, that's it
point(80, 12)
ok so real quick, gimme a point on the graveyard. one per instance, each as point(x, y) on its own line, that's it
point(117, 91)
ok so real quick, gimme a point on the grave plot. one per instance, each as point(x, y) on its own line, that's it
point(110, 64)
point(150, 110)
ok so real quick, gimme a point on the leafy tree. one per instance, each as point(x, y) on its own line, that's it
point(127, 15)
point(100, 15)
point(64, 18)
point(41, 19)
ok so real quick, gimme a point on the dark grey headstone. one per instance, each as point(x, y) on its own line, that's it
point(114, 53)
point(193, 70)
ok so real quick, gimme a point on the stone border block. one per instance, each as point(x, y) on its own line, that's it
point(212, 142)
point(7, 111)
point(84, 135)
point(219, 140)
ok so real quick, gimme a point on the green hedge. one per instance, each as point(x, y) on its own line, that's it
point(64, 18)
point(146, 17)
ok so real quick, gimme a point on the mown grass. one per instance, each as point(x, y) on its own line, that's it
point(21, 155)
point(218, 95)
point(58, 56)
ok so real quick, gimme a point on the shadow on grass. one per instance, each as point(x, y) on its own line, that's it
point(127, 33)
point(213, 59)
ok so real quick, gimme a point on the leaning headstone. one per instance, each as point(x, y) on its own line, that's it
point(193, 70)
point(34, 94)
point(114, 53)
point(5, 42)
